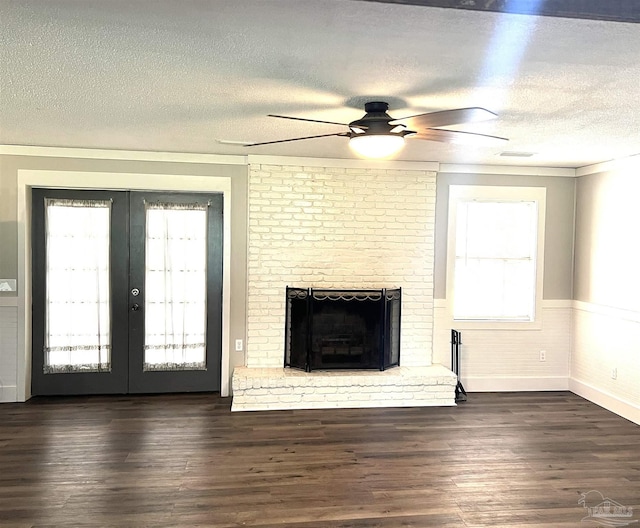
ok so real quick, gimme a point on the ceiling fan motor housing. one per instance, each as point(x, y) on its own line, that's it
point(376, 121)
point(377, 107)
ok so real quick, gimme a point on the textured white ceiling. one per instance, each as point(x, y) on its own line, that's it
point(175, 76)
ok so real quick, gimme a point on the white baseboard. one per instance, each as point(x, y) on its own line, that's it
point(515, 384)
point(8, 394)
point(606, 400)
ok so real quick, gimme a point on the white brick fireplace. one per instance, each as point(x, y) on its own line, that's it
point(339, 227)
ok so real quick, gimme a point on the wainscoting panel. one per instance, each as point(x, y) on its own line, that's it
point(8, 348)
point(605, 364)
point(509, 360)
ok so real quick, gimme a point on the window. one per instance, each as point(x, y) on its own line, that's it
point(496, 237)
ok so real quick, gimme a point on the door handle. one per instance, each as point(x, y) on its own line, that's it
point(135, 307)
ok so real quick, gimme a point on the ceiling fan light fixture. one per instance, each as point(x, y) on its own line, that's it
point(376, 145)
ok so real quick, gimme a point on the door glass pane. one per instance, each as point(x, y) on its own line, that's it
point(175, 285)
point(78, 326)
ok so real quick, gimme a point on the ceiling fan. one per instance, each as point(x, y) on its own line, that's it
point(378, 135)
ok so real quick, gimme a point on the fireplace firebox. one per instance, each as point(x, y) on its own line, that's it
point(342, 329)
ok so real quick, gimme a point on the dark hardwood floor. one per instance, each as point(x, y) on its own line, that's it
point(514, 460)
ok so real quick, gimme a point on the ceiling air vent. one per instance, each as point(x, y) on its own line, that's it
point(513, 154)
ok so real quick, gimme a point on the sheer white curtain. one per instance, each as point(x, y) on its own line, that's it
point(175, 285)
point(78, 326)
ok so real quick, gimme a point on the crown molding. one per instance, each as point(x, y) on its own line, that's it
point(629, 163)
point(127, 155)
point(343, 163)
point(632, 162)
point(513, 170)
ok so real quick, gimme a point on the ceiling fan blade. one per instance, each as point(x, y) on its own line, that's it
point(454, 136)
point(305, 119)
point(295, 139)
point(447, 117)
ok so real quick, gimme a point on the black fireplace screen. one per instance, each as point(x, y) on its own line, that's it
point(342, 329)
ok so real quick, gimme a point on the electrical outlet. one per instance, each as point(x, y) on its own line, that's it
point(543, 355)
point(238, 345)
point(614, 373)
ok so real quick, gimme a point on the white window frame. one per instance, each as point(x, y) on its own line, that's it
point(465, 193)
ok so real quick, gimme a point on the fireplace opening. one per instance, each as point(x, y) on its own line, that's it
point(342, 329)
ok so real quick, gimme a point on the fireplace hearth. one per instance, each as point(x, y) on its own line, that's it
point(342, 329)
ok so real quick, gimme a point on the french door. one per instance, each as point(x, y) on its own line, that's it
point(127, 292)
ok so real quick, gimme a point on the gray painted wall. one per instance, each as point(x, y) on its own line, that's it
point(559, 227)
